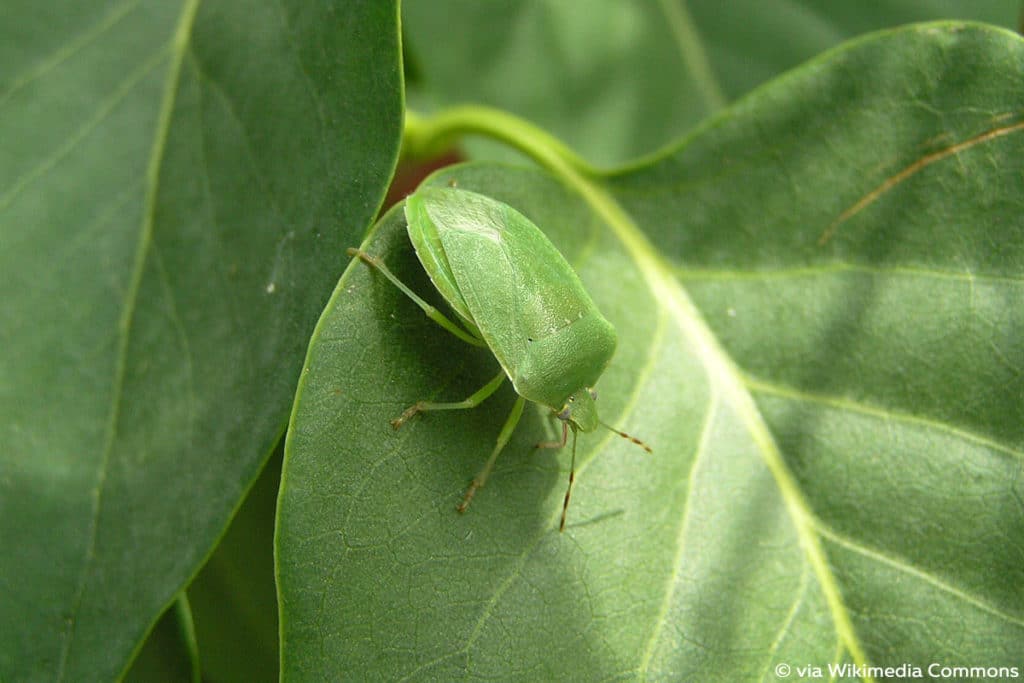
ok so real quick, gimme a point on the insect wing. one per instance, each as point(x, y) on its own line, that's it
point(430, 252)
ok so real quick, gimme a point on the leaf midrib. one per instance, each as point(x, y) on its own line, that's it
point(727, 378)
point(182, 35)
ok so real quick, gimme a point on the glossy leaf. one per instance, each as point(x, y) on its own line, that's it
point(622, 78)
point(818, 297)
point(177, 183)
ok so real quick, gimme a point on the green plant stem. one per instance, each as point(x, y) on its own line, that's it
point(187, 632)
point(424, 137)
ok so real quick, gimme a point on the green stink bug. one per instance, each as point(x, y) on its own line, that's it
point(517, 295)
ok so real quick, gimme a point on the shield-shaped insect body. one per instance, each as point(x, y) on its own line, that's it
point(513, 292)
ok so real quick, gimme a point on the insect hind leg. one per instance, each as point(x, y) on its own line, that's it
point(555, 444)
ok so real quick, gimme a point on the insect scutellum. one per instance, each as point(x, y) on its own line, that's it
point(487, 259)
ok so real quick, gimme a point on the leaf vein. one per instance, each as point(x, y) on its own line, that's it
point(673, 578)
point(70, 49)
point(788, 622)
point(230, 302)
point(840, 268)
point(179, 327)
point(104, 110)
point(902, 565)
point(837, 403)
point(180, 41)
point(306, 78)
point(229, 107)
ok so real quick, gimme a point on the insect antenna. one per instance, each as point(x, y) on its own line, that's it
point(624, 435)
point(572, 476)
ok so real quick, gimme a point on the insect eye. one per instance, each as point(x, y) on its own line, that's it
point(593, 393)
point(564, 413)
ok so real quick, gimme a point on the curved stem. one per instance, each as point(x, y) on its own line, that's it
point(187, 633)
point(426, 136)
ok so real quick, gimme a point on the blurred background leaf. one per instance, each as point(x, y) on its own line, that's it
point(624, 78)
point(178, 183)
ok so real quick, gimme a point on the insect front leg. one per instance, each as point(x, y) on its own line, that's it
point(431, 311)
point(556, 444)
point(473, 401)
point(572, 466)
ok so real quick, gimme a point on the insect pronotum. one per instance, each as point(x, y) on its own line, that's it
point(514, 293)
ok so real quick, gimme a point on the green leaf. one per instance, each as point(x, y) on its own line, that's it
point(818, 299)
point(177, 184)
point(621, 79)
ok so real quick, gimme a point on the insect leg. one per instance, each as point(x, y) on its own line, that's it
point(556, 444)
point(572, 477)
point(431, 311)
point(506, 433)
point(473, 401)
